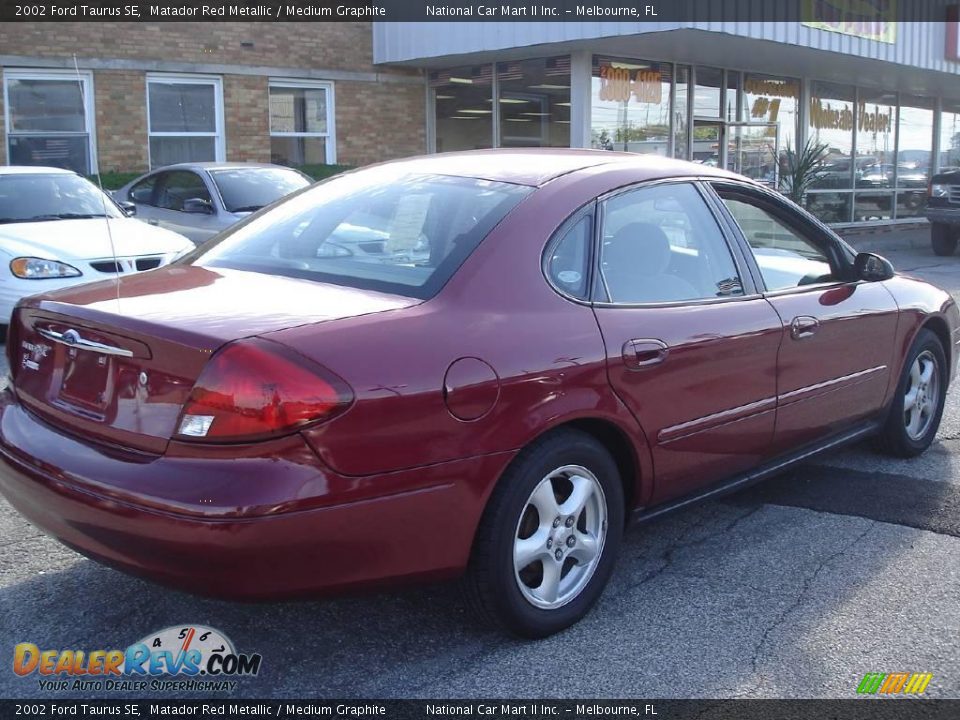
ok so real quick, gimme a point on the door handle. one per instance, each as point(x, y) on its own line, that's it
point(804, 326)
point(644, 353)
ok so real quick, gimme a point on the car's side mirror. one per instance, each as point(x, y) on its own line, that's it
point(129, 208)
point(872, 268)
point(196, 205)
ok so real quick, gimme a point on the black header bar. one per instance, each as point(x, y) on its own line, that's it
point(848, 12)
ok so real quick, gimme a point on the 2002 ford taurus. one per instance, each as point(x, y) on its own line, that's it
point(531, 349)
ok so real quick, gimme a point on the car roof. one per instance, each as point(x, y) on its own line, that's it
point(219, 166)
point(537, 166)
point(33, 170)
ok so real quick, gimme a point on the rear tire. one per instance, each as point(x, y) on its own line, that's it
point(918, 403)
point(549, 536)
point(943, 238)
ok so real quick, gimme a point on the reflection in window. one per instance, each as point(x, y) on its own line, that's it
point(300, 122)
point(463, 98)
point(831, 123)
point(48, 120)
point(873, 171)
point(681, 114)
point(630, 105)
point(950, 136)
point(769, 99)
point(914, 154)
point(707, 96)
point(535, 102)
point(183, 122)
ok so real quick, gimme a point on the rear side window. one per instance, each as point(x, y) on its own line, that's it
point(142, 192)
point(375, 229)
point(662, 244)
point(568, 257)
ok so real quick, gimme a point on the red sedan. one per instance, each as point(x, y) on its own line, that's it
point(479, 363)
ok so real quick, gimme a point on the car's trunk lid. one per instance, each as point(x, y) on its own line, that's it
point(119, 371)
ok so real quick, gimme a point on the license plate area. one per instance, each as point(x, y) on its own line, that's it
point(87, 380)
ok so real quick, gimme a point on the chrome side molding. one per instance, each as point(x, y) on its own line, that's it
point(71, 338)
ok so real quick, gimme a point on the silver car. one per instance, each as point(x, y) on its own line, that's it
point(199, 200)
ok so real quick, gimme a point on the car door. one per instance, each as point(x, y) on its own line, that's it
point(838, 343)
point(691, 345)
point(143, 195)
point(174, 189)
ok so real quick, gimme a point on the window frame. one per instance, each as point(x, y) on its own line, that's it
point(85, 77)
point(598, 293)
point(839, 254)
point(330, 137)
point(219, 134)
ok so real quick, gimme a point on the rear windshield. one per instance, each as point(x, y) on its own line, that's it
point(249, 189)
point(375, 229)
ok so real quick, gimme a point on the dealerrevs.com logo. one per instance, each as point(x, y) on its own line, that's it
point(178, 658)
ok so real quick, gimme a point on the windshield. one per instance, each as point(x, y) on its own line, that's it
point(378, 229)
point(249, 189)
point(37, 197)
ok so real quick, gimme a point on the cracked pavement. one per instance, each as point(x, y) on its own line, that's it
point(794, 588)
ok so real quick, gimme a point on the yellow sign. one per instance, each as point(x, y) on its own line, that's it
point(618, 84)
point(869, 19)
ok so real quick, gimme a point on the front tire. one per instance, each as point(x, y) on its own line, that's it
point(549, 537)
point(944, 239)
point(918, 404)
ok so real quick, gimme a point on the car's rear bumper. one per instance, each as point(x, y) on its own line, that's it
point(423, 526)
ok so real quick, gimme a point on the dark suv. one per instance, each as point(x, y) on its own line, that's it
point(943, 211)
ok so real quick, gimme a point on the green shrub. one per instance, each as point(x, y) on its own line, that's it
point(115, 180)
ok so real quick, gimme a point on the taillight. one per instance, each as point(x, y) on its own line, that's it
point(256, 389)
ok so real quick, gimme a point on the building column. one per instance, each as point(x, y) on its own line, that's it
point(581, 64)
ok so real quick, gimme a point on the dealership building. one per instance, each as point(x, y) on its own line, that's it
point(882, 97)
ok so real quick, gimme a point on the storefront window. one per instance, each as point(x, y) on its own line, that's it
point(914, 154)
point(630, 106)
point(463, 98)
point(950, 136)
point(768, 99)
point(730, 112)
point(832, 124)
point(874, 169)
point(534, 102)
point(708, 94)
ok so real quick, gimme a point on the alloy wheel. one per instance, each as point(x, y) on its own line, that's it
point(560, 536)
point(922, 398)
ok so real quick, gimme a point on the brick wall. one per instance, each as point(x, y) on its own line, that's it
point(375, 120)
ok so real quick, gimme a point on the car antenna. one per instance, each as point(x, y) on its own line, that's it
point(103, 196)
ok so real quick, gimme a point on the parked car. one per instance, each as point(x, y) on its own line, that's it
point(590, 337)
point(198, 200)
point(943, 211)
point(58, 229)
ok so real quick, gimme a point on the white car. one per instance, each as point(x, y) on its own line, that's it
point(55, 231)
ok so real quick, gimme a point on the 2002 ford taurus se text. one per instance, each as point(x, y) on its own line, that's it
point(533, 348)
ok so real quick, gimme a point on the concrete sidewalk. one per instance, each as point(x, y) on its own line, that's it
point(883, 238)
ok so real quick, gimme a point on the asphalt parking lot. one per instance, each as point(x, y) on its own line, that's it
point(795, 588)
